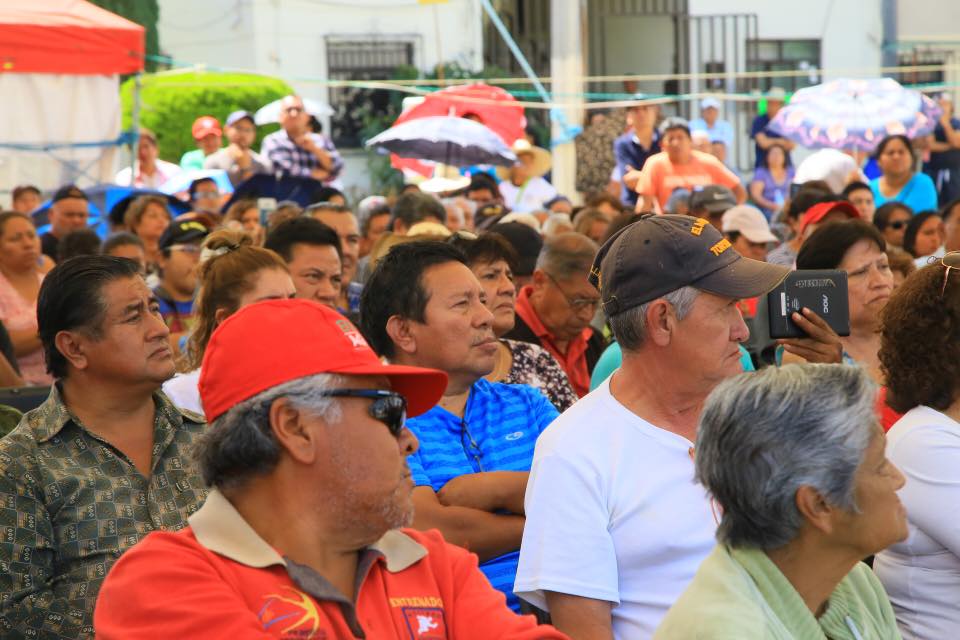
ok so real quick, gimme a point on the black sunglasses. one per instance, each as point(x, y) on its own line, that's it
point(389, 407)
point(897, 224)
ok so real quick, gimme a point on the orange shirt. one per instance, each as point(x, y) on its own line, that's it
point(217, 579)
point(660, 176)
point(573, 361)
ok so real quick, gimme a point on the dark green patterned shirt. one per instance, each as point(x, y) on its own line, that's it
point(70, 504)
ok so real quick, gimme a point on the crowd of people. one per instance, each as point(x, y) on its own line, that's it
point(474, 409)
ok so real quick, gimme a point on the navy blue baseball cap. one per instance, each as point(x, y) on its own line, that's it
point(659, 254)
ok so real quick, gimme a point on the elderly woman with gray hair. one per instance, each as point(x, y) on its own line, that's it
point(794, 460)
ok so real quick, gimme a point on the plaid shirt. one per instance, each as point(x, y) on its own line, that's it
point(70, 504)
point(292, 160)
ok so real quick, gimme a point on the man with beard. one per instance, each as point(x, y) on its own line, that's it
point(300, 535)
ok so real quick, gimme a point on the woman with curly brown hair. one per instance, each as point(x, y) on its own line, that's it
point(233, 273)
point(920, 355)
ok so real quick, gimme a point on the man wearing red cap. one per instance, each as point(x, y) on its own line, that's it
point(300, 536)
point(208, 136)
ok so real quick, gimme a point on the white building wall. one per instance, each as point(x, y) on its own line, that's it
point(287, 38)
point(850, 31)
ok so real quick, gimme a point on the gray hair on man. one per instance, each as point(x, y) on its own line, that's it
point(240, 444)
point(630, 327)
point(764, 435)
point(566, 255)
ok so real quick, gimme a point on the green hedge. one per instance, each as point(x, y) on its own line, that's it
point(172, 100)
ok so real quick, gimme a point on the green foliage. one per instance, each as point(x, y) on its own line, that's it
point(171, 101)
point(384, 179)
point(146, 13)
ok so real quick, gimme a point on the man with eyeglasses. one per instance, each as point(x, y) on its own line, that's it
point(302, 533)
point(556, 308)
point(295, 150)
point(423, 306)
point(238, 159)
point(179, 261)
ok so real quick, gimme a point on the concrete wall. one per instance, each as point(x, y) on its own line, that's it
point(287, 38)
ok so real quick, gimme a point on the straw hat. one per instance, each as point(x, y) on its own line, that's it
point(541, 159)
point(445, 178)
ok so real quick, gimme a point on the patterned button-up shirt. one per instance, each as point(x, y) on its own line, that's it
point(292, 160)
point(70, 504)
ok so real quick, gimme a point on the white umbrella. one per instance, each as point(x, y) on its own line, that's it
point(271, 112)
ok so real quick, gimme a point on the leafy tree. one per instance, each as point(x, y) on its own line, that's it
point(146, 13)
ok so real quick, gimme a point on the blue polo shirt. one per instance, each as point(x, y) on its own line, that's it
point(504, 421)
point(628, 151)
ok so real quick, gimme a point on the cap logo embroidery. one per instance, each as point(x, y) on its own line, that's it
point(720, 247)
point(354, 336)
point(698, 226)
point(196, 226)
point(595, 273)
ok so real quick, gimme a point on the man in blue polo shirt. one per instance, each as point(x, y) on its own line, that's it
point(423, 305)
point(634, 147)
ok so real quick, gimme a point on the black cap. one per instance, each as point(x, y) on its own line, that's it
point(69, 191)
point(658, 254)
point(488, 215)
point(183, 232)
point(715, 198)
point(525, 241)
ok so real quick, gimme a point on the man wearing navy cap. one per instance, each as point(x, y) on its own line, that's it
point(238, 159)
point(68, 212)
point(179, 262)
point(616, 525)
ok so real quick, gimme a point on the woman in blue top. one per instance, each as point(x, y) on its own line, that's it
point(898, 181)
point(771, 181)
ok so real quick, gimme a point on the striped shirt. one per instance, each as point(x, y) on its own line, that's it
point(503, 421)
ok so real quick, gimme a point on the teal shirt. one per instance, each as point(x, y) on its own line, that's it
point(740, 593)
point(192, 160)
point(610, 361)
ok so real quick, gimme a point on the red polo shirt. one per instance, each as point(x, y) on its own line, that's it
point(218, 579)
point(574, 360)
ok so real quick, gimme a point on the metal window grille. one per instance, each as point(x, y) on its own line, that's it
point(362, 59)
point(785, 55)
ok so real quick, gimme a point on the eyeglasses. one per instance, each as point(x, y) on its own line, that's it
point(470, 447)
point(898, 224)
point(576, 304)
point(293, 110)
point(950, 261)
point(389, 407)
point(193, 249)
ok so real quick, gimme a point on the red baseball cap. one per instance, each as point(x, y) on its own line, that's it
point(204, 126)
point(268, 343)
point(818, 212)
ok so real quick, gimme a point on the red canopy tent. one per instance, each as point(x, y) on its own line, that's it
point(61, 59)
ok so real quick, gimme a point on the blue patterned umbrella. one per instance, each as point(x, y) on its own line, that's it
point(855, 114)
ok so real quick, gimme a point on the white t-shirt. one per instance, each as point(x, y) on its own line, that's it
point(183, 390)
point(613, 513)
point(922, 573)
point(527, 198)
